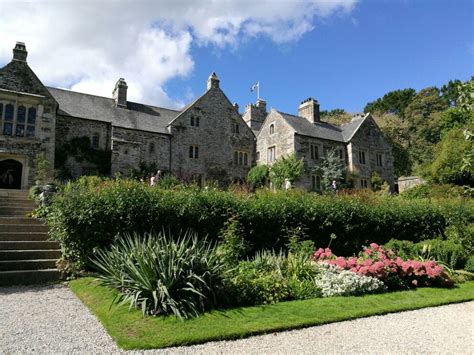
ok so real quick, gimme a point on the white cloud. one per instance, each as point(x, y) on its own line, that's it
point(88, 45)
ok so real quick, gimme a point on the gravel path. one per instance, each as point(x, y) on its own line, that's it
point(50, 319)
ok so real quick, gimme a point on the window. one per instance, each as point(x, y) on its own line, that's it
point(315, 182)
point(379, 159)
point(235, 127)
point(272, 128)
point(361, 157)
point(20, 123)
point(271, 155)
point(151, 148)
point(241, 158)
point(363, 183)
point(258, 155)
point(314, 151)
point(8, 120)
point(194, 152)
point(30, 128)
point(194, 121)
point(95, 141)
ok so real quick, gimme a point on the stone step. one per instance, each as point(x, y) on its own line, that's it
point(35, 264)
point(20, 220)
point(13, 193)
point(29, 254)
point(28, 277)
point(29, 245)
point(14, 228)
point(15, 212)
point(17, 203)
point(23, 236)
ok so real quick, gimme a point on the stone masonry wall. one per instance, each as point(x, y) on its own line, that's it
point(130, 147)
point(216, 138)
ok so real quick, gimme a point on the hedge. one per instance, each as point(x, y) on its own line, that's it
point(89, 213)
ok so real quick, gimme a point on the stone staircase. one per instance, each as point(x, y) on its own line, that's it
point(26, 254)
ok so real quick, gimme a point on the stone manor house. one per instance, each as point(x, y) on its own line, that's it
point(207, 139)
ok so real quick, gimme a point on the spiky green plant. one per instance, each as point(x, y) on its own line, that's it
point(160, 274)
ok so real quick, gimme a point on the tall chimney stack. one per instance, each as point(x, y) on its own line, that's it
point(120, 93)
point(309, 109)
point(213, 81)
point(19, 52)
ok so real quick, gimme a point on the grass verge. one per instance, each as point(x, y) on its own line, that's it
point(133, 331)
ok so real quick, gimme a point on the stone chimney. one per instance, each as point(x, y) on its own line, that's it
point(213, 81)
point(236, 106)
point(120, 93)
point(19, 52)
point(255, 114)
point(309, 109)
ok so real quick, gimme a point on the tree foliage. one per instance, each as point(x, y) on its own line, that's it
point(331, 168)
point(288, 167)
point(258, 176)
point(392, 102)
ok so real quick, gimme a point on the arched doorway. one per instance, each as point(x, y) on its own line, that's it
point(10, 174)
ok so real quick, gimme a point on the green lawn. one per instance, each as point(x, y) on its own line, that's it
point(133, 331)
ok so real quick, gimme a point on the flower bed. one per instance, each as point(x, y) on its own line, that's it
point(384, 265)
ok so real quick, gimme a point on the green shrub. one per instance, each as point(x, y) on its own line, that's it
point(437, 191)
point(470, 264)
point(161, 275)
point(90, 212)
point(258, 176)
point(403, 248)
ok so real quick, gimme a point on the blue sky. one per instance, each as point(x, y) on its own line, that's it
point(344, 53)
point(347, 60)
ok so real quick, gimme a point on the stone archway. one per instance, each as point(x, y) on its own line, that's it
point(11, 172)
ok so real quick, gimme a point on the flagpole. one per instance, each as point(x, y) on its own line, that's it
point(258, 90)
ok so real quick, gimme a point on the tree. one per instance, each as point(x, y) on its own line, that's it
point(424, 103)
point(392, 102)
point(450, 92)
point(258, 176)
point(447, 167)
point(331, 168)
point(284, 168)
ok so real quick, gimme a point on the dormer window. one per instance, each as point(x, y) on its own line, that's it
point(272, 128)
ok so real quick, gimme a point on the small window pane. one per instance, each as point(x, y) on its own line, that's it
point(20, 130)
point(7, 129)
point(31, 115)
point(236, 158)
point(9, 112)
point(196, 152)
point(30, 131)
point(240, 158)
point(191, 151)
point(95, 141)
point(21, 115)
point(192, 121)
point(197, 121)
point(245, 159)
point(1, 111)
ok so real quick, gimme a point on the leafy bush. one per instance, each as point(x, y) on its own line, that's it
point(334, 282)
point(289, 167)
point(89, 213)
point(436, 191)
point(470, 264)
point(161, 275)
point(258, 176)
point(272, 277)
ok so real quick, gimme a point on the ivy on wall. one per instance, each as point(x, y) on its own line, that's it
point(80, 149)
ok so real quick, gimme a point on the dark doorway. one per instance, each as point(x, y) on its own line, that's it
point(10, 174)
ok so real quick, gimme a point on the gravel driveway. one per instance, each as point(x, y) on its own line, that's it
point(50, 319)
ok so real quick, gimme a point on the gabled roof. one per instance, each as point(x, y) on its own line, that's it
point(17, 76)
point(135, 116)
point(324, 130)
point(350, 128)
point(321, 130)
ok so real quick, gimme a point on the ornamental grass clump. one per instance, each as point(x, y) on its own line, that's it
point(384, 265)
point(161, 275)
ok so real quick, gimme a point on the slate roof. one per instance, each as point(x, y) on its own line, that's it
point(135, 116)
point(17, 76)
point(323, 130)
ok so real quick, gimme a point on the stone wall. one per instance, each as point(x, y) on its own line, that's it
point(216, 137)
point(130, 147)
point(26, 149)
point(68, 128)
point(370, 140)
point(282, 138)
point(405, 183)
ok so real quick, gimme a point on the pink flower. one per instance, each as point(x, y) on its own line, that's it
point(414, 282)
point(374, 246)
